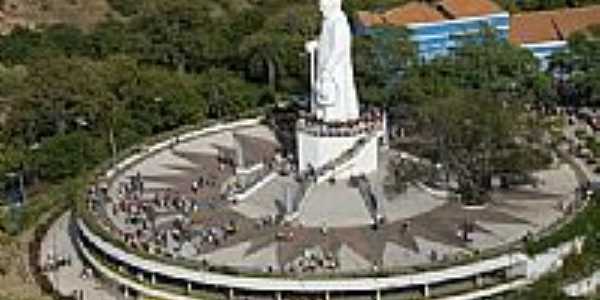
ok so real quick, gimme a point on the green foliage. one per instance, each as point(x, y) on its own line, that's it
point(226, 94)
point(11, 79)
point(380, 61)
point(546, 288)
point(23, 46)
point(474, 134)
point(179, 34)
point(586, 223)
point(109, 38)
point(575, 266)
point(68, 155)
point(582, 86)
point(490, 65)
point(126, 8)
point(11, 159)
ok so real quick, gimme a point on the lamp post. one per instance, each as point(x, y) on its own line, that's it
point(111, 133)
point(311, 49)
point(159, 103)
point(82, 123)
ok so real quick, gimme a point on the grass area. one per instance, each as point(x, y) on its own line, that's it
point(15, 282)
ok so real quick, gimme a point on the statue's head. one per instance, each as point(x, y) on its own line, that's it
point(328, 7)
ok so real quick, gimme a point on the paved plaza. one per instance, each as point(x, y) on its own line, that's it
point(335, 226)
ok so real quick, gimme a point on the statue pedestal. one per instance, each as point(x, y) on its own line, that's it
point(338, 151)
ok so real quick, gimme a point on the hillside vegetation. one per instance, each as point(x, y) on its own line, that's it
point(82, 13)
point(97, 77)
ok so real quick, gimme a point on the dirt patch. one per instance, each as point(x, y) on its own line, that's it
point(15, 282)
point(82, 13)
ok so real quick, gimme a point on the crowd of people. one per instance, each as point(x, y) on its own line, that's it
point(164, 221)
point(187, 222)
point(369, 121)
point(161, 222)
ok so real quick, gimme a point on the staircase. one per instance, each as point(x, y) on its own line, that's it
point(309, 178)
point(305, 184)
point(344, 160)
point(373, 202)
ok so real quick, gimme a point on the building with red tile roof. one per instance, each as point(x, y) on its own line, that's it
point(546, 32)
point(412, 12)
point(369, 19)
point(439, 27)
point(533, 28)
point(457, 9)
point(554, 25)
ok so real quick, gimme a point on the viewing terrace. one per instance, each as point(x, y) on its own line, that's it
point(165, 219)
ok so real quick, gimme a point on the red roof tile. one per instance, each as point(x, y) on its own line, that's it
point(412, 12)
point(553, 25)
point(369, 19)
point(533, 28)
point(469, 8)
point(573, 20)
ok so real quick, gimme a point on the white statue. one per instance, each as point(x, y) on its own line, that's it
point(335, 92)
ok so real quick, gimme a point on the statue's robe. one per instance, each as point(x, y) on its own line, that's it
point(336, 92)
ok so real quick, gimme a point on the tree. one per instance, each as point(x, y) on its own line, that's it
point(181, 34)
point(162, 100)
point(109, 38)
point(264, 54)
point(273, 55)
point(23, 46)
point(579, 68)
point(10, 159)
point(67, 38)
point(485, 64)
point(475, 136)
point(54, 163)
point(227, 94)
point(381, 60)
point(58, 92)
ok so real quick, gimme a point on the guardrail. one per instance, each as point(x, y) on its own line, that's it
point(92, 222)
point(300, 285)
point(109, 232)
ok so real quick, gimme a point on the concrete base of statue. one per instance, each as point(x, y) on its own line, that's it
point(338, 153)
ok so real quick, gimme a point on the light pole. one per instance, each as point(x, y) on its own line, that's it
point(111, 133)
point(159, 103)
point(311, 48)
point(82, 122)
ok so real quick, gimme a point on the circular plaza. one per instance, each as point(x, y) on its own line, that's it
point(318, 205)
point(224, 210)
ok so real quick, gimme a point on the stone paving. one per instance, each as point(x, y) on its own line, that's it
point(68, 279)
point(334, 221)
point(263, 202)
point(334, 205)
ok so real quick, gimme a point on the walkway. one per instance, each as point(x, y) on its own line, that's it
point(68, 279)
point(304, 286)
